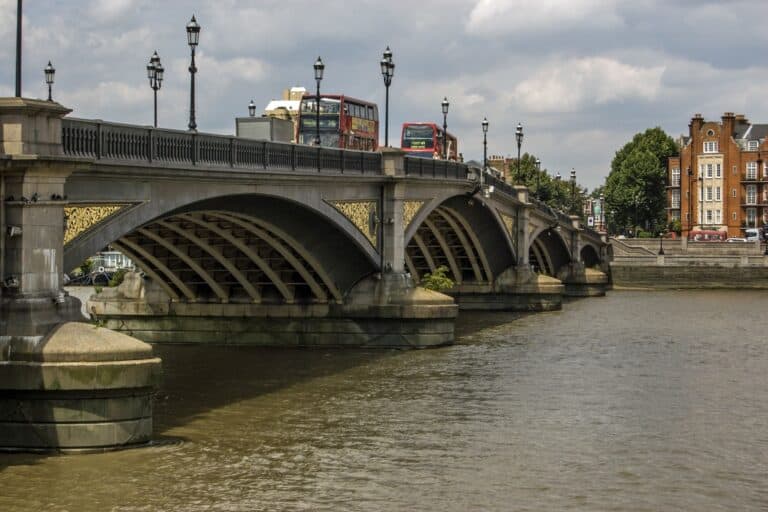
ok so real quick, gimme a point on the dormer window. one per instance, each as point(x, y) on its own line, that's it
point(710, 146)
point(752, 145)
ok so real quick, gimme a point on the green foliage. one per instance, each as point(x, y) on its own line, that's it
point(117, 278)
point(438, 280)
point(675, 226)
point(98, 289)
point(86, 267)
point(553, 192)
point(635, 191)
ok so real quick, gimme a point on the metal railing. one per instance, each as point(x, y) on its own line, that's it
point(432, 168)
point(123, 143)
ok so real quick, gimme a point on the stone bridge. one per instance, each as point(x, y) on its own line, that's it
point(239, 241)
point(231, 233)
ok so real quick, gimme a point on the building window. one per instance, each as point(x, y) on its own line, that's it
point(751, 194)
point(752, 171)
point(676, 214)
point(751, 217)
point(733, 192)
point(735, 170)
point(709, 216)
point(675, 199)
point(710, 146)
point(717, 193)
point(709, 193)
point(718, 217)
point(765, 170)
point(734, 216)
point(676, 177)
point(717, 171)
point(709, 170)
point(752, 145)
point(765, 215)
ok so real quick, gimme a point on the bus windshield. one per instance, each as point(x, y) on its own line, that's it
point(419, 137)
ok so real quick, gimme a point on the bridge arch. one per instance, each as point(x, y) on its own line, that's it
point(246, 248)
point(461, 233)
point(590, 256)
point(548, 251)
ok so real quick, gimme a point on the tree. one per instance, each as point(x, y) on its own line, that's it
point(635, 191)
point(553, 192)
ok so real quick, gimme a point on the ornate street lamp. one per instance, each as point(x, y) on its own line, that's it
point(252, 109)
point(319, 68)
point(155, 72)
point(193, 38)
point(387, 72)
point(519, 137)
point(445, 106)
point(485, 148)
point(49, 72)
point(573, 191)
point(538, 178)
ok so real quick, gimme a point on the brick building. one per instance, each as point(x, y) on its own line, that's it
point(720, 179)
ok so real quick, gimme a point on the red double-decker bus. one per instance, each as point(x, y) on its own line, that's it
point(426, 140)
point(344, 122)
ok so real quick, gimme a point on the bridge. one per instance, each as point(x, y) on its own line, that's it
point(246, 241)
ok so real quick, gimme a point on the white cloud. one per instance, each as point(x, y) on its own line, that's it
point(569, 85)
point(493, 17)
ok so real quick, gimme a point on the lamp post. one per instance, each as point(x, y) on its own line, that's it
point(573, 191)
point(18, 48)
point(519, 137)
point(387, 72)
point(444, 106)
point(252, 109)
point(485, 150)
point(49, 72)
point(319, 68)
point(155, 75)
point(602, 212)
point(538, 178)
point(193, 38)
point(661, 243)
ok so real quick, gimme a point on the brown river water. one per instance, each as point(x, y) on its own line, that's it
point(638, 401)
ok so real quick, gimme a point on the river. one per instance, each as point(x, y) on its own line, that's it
point(638, 401)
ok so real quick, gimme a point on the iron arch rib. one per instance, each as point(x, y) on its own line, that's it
point(138, 257)
point(216, 287)
point(279, 283)
point(279, 239)
point(216, 254)
point(457, 275)
point(468, 249)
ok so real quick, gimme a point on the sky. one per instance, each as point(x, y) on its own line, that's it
point(582, 76)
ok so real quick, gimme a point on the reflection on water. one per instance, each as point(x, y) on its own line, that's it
point(637, 401)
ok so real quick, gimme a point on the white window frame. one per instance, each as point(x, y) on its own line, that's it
point(709, 193)
point(752, 145)
point(751, 217)
point(718, 170)
point(709, 170)
point(751, 170)
point(717, 194)
point(718, 217)
point(711, 146)
point(751, 194)
point(709, 216)
point(675, 199)
point(675, 176)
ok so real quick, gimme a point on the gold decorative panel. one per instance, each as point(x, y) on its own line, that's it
point(79, 219)
point(362, 214)
point(410, 208)
point(509, 222)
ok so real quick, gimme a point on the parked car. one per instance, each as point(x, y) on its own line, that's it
point(752, 234)
point(736, 239)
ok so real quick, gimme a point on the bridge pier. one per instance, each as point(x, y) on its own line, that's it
point(63, 384)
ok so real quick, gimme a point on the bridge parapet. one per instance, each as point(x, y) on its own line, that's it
point(144, 145)
point(430, 168)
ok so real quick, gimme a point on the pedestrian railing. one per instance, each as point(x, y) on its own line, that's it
point(122, 143)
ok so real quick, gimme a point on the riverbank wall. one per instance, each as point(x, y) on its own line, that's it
point(675, 264)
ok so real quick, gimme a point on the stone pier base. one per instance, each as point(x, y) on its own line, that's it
point(584, 282)
point(514, 290)
point(78, 388)
point(379, 312)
